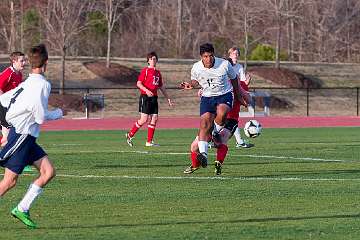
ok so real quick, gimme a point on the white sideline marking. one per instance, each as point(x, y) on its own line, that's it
point(209, 178)
point(204, 178)
point(234, 155)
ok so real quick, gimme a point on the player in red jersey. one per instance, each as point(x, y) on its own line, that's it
point(10, 78)
point(245, 79)
point(149, 81)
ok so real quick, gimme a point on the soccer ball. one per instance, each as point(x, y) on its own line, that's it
point(252, 128)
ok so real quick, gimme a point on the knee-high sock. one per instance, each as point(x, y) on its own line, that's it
point(238, 137)
point(29, 197)
point(194, 162)
point(134, 129)
point(221, 152)
point(203, 147)
point(151, 131)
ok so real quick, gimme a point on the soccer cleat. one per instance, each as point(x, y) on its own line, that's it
point(151, 144)
point(202, 158)
point(23, 217)
point(28, 168)
point(244, 145)
point(218, 166)
point(129, 140)
point(190, 169)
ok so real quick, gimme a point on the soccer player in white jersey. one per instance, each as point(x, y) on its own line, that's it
point(245, 79)
point(213, 75)
point(27, 108)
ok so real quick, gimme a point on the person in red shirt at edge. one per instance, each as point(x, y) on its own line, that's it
point(10, 78)
point(149, 81)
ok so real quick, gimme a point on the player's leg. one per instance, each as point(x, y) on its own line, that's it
point(143, 110)
point(5, 133)
point(222, 148)
point(206, 122)
point(37, 157)
point(223, 106)
point(194, 152)
point(240, 142)
point(9, 181)
point(151, 131)
point(153, 111)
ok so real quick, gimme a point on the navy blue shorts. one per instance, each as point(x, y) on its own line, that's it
point(20, 151)
point(209, 104)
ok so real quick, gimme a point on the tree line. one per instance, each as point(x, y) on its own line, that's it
point(296, 30)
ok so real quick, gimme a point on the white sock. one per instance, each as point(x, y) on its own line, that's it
point(218, 127)
point(237, 135)
point(203, 147)
point(29, 197)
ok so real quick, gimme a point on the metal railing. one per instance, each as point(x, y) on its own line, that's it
point(325, 101)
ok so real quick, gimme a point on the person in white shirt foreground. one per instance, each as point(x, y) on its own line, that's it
point(26, 108)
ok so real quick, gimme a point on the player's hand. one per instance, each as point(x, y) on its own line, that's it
point(149, 93)
point(200, 92)
point(248, 78)
point(244, 98)
point(171, 103)
point(186, 86)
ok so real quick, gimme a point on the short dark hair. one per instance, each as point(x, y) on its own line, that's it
point(150, 55)
point(38, 56)
point(206, 47)
point(14, 56)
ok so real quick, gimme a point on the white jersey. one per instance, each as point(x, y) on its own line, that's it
point(238, 68)
point(27, 105)
point(214, 81)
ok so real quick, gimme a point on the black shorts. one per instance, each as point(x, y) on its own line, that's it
point(231, 125)
point(3, 122)
point(148, 105)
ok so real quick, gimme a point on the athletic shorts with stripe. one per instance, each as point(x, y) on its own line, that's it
point(148, 105)
point(20, 151)
point(209, 104)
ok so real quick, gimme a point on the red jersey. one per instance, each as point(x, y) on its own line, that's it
point(10, 79)
point(151, 79)
point(234, 112)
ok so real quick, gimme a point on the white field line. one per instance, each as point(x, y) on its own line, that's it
point(207, 178)
point(298, 179)
point(234, 155)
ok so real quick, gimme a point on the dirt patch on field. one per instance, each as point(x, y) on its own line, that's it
point(116, 73)
point(67, 102)
point(285, 77)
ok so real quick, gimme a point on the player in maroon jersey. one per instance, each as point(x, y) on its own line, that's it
point(10, 78)
point(149, 81)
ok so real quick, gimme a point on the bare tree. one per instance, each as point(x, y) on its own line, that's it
point(64, 20)
point(8, 25)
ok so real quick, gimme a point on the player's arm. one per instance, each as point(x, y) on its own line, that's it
point(247, 79)
point(166, 95)
point(40, 103)
point(4, 78)
point(189, 85)
point(141, 86)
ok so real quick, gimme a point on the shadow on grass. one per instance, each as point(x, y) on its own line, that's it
point(251, 220)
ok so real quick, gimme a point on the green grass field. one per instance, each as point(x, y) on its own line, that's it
point(294, 184)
